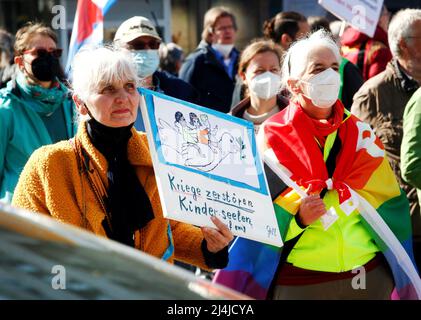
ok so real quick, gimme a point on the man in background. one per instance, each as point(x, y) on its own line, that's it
point(139, 35)
point(370, 55)
point(212, 67)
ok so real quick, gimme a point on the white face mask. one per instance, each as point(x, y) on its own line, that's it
point(323, 88)
point(224, 49)
point(265, 85)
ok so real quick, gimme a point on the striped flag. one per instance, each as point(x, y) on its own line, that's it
point(362, 183)
point(88, 25)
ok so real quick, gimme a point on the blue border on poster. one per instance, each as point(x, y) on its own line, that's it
point(148, 94)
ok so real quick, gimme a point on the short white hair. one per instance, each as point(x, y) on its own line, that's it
point(94, 67)
point(296, 58)
point(401, 27)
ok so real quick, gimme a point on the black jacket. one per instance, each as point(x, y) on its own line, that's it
point(174, 87)
point(352, 82)
point(205, 73)
point(170, 85)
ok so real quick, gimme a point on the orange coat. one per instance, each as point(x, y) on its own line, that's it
point(51, 184)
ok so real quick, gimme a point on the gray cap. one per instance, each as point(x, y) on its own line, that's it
point(135, 27)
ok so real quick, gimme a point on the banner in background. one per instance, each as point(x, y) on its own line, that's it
point(363, 15)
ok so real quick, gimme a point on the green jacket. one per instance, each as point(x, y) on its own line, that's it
point(22, 131)
point(411, 148)
point(347, 244)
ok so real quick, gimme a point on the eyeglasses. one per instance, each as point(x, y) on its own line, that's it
point(143, 45)
point(225, 28)
point(42, 52)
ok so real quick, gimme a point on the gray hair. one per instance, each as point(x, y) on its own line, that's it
point(169, 55)
point(296, 58)
point(401, 27)
point(171, 51)
point(96, 66)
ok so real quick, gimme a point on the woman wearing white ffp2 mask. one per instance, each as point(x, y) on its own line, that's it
point(336, 158)
point(323, 88)
point(315, 88)
point(265, 85)
point(260, 68)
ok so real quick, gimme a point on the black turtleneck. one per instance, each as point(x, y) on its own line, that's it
point(127, 204)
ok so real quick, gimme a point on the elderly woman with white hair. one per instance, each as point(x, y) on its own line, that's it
point(103, 179)
point(344, 220)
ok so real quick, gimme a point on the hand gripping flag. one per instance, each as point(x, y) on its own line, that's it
point(88, 25)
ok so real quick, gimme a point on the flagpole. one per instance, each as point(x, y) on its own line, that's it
point(167, 21)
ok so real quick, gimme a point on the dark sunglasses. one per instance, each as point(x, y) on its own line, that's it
point(42, 52)
point(152, 44)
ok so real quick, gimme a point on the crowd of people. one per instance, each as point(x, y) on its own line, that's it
point(341, 113)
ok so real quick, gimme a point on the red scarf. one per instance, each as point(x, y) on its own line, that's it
point(322, 128)
point(291, 134)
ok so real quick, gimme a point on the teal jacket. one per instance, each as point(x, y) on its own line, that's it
point(22, 131)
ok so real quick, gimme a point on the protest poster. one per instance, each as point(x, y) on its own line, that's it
point(363, 15)
point(207, 164)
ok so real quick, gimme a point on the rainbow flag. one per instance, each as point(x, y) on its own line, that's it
point(364, 181)
point(88, 25)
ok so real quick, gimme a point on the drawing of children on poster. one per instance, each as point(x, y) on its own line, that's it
point(205, 142)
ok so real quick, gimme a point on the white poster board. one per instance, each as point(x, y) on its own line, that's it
point(363, 15)
point(206, 163)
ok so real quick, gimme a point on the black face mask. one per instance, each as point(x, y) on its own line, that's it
point(45, 68)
